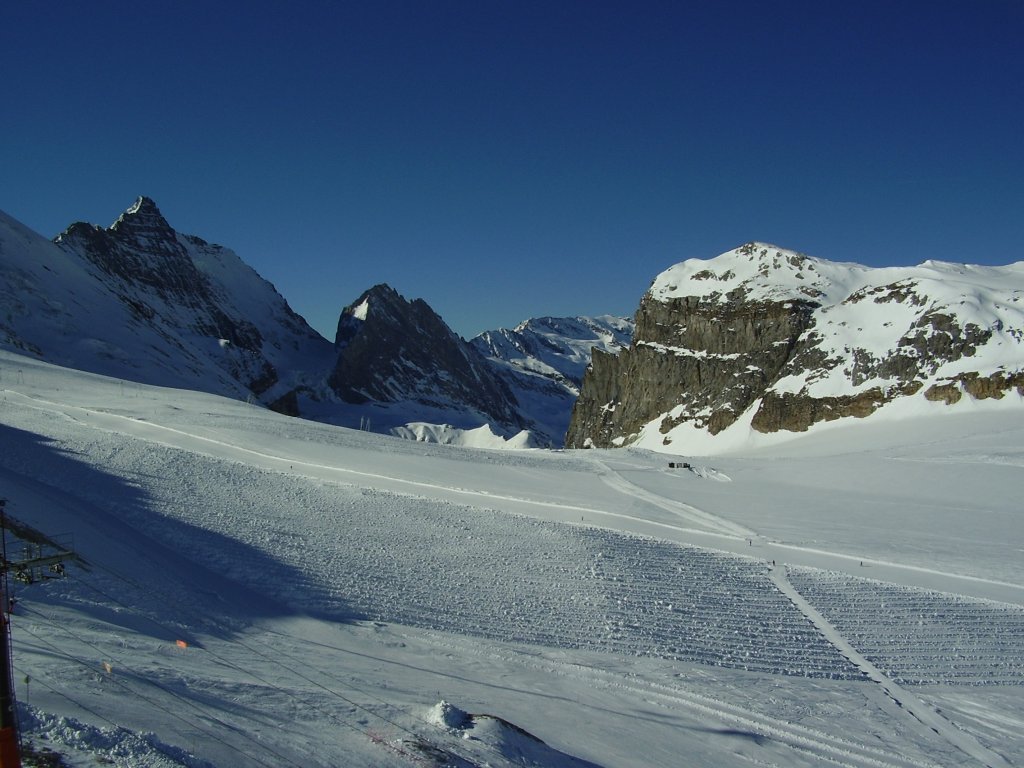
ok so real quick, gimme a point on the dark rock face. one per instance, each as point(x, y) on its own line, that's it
point(778, 336)
point(996, 385)
point(392, 350)
point(707, 362)
point(158, 274)
point(142, 250)
point(795, 412)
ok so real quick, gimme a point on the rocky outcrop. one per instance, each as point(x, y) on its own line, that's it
point(796, 412)
point(709, 360)
point(770, 340)
point(390, 350)
point(996, 385)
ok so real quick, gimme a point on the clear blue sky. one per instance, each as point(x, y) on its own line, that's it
point(504, 160)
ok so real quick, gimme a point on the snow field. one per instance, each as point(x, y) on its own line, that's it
point(330, 585)
point(921, 637)
point(456, 568)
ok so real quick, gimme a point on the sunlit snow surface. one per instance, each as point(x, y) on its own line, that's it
point(342, 597)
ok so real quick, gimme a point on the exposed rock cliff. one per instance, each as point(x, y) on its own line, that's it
point(391, 350)
point(769, 339)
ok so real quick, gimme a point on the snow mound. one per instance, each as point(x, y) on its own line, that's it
point(499, 736)
point(446, 434)
point(709, 473)
point(447, 715)
point(705, 473)
point(78, 743)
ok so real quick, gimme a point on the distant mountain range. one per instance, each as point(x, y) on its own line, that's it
point(758, 340)
point(765, 340)
point(140, 301)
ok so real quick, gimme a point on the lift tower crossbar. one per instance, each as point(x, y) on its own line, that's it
point(28, 569)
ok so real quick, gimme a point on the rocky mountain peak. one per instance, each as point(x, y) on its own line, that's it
point(380, 306)
point(214, 312)
point(143, 221)
point(144, 208)
point(142, 227)
point(141, 247)
point(768, 339)
point(394, 350)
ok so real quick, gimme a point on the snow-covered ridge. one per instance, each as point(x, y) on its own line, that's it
point(765, 272)
point(543, 361)
point(766, 339)
point(558, 348)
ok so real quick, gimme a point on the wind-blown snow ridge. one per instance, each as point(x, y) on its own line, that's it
point(767, 272)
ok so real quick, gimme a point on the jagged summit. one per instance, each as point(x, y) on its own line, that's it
point(391, 350)
point(140, 301)
point(143, 206)
point(379, 304)
point(141, 226)
point(143, 218)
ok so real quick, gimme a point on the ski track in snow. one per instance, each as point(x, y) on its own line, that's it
point(907, 702)
point(712, 527)
point(829, 747)
point(765, 618)
point(714, 523)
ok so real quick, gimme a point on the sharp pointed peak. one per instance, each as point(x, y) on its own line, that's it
point(143, 205)
point(143, 214)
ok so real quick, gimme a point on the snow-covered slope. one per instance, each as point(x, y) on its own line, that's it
point(763, 340)
point(556, 348)
point(543, 361)
point(853, 598)
point(143, 302)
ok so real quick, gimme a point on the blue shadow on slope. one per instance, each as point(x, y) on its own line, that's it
point(143, 571)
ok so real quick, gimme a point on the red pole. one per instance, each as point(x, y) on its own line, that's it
point(10, 755)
